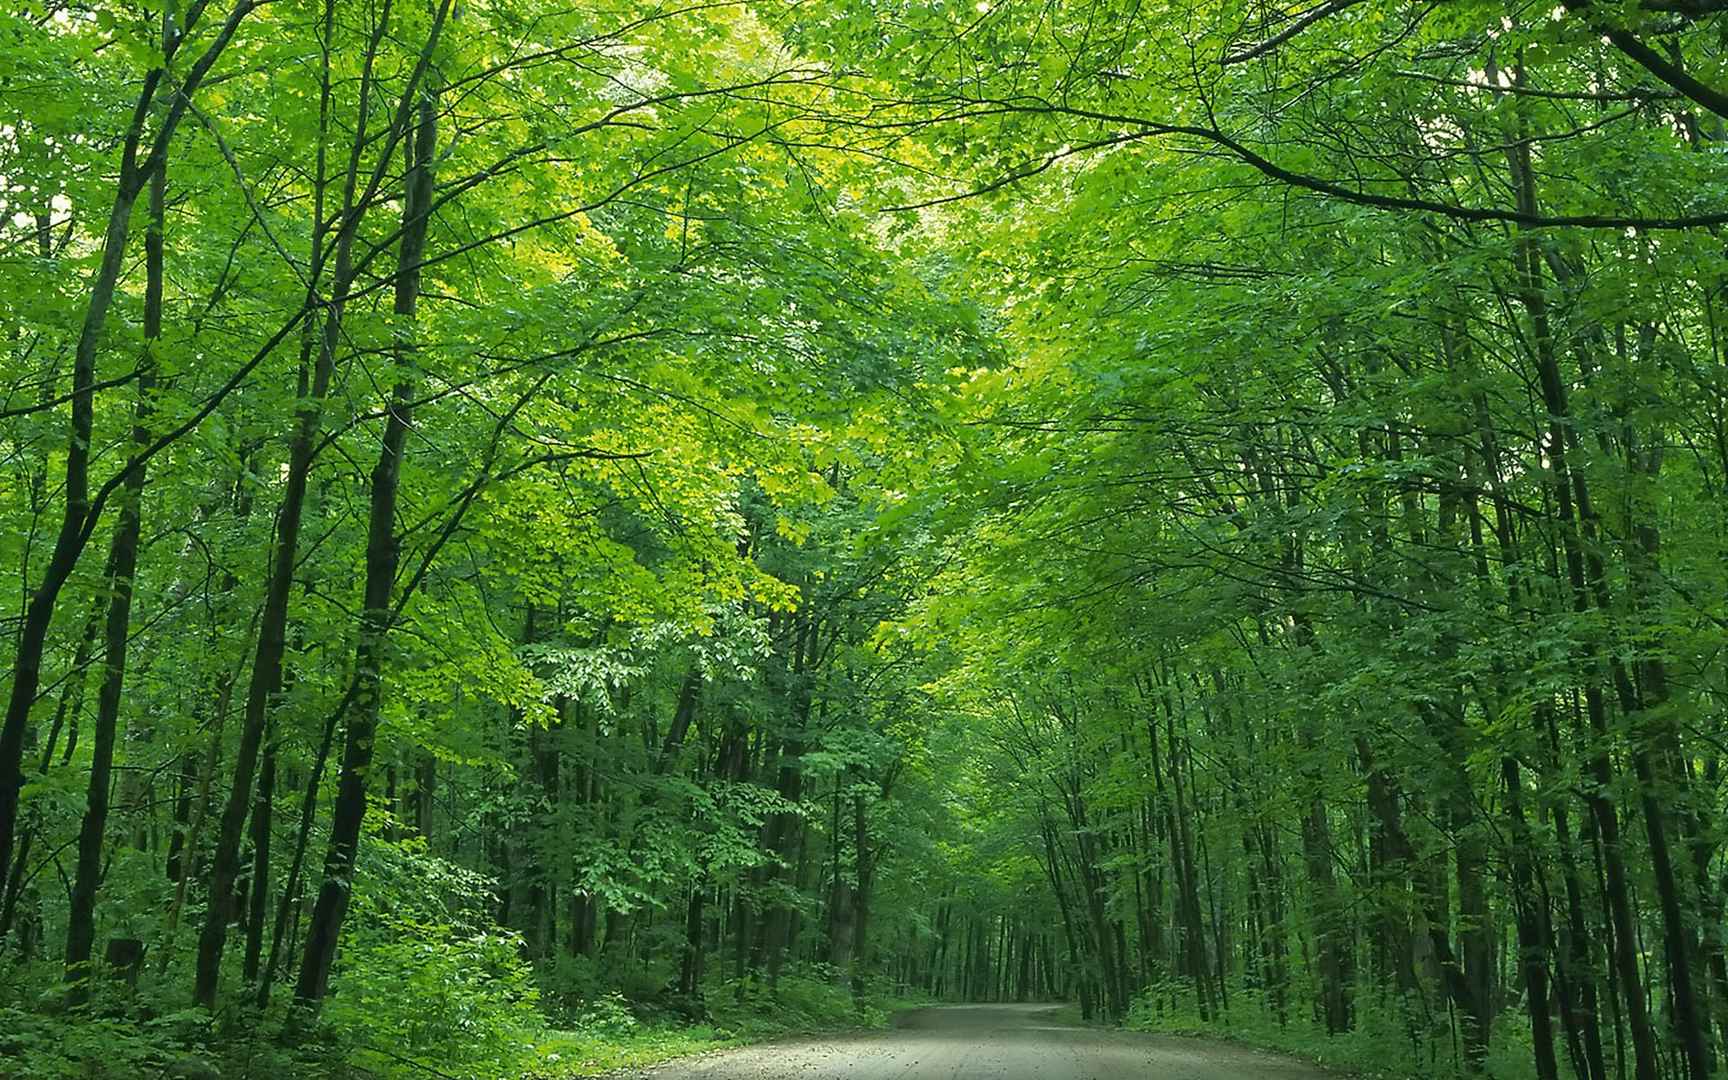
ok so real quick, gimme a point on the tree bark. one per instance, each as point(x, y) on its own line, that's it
point(382, 554)
point(122, 567)
point(1616, 887)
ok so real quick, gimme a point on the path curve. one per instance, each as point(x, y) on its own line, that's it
point(987, 1042)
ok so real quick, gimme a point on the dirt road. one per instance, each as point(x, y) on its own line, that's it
point(988, 1042)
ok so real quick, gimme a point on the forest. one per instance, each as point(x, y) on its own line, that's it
point(542, 537)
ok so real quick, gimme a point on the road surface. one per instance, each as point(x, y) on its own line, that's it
point(987, 1042)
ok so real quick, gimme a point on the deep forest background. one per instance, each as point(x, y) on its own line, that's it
point(534, 535)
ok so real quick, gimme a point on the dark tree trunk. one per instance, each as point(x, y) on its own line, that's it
point(258, 895)
point(122, 567)
point(267, 663)
point(1617, 891)
point(382, 553)
point(73, 536)
point(1532, 929)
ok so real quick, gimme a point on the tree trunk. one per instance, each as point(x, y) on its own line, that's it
point(122, 567)
point(381, 558)
point(1600, 771)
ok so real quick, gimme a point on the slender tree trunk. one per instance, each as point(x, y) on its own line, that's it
point(1600, 771)
point(123, 567)
point(65, 713)
point(864, 868)
point(1532, 936)
point(382, 553)
point(785, 833)
point(314, 386)
point(258, 896)
point(272, 645)
point(690, 965)
point(72, 538)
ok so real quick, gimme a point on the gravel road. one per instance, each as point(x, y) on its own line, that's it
point(987, 1042)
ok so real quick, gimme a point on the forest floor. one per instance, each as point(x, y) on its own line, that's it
point(984, 1042)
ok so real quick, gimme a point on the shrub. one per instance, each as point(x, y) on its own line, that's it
point(425, 976)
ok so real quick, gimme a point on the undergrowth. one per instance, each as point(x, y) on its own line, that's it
point(1392, 1039)
point(611, 1036)
point(439, 1024)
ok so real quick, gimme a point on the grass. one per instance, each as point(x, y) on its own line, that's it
point(564, 1055)
point(799, 1006)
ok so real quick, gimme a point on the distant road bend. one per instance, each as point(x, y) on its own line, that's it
point(988, 1042)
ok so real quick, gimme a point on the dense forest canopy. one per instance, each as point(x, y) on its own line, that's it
point(523, 518)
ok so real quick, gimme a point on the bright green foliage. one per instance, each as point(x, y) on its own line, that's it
point(657, 525)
